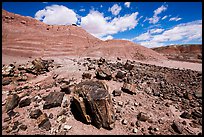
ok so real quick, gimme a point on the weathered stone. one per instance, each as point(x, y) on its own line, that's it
point(35, 113)
point(103, 72)
point(24, 102)
point(23, 127)
point(142, 116)
point(197, 114)
point(6, 81)
point(86, 76)
point(62, 112)
point(176, 127)
point(128, 65)
point(120, 103)
point(8, 70)
point(43, 122)
point(118, 109)
point(54, 99)
point(124, 122)
point(120, 74)
point(67, 127)
point(129, 88)
point(6, 119)
point(65, 88)
point(117, 92)
point(12, 102)
point(91, 66)
point(93, 102)
point(185, 115)
point(134, 130)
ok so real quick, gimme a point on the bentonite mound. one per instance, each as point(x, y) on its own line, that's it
point(25, 36)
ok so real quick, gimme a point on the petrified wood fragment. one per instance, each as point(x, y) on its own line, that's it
point(94, 103)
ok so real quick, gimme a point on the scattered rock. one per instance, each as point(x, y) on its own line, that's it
point(67, 127)
point(65, 88)
point(134, 130)
point(120, 103)
point(24, 102)
point(23, 127)
point(86, 76)
point(35, 113)
point(6, 119)
point(124, 122)
point(185, 115)
point(43, 122)
point(117, 92)
point(128, 65)
point(54, 99)
point(176, 127)
point(118, 109)
point(103, 72)
point(197, 114)
point(51, 116)
point(12, 102)
point(129, 88)
point(6, 81)
point(142, 116)
point(120, 74)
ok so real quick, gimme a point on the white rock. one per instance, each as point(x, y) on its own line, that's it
point(67, 127)
point(135, 130)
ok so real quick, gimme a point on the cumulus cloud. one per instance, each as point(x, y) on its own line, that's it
point(56, 14)
point(100, 26)
point(127, 4)
point(175, 19)
point(184, 32)
point(155, 17)
point(115, 9)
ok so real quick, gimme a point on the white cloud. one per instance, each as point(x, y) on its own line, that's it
point(109, 37)
point(45, 2)
point(101, 6)
point(115, 9)
point(82, 10)
point(56, 14)
point(154, 31)
point(184, 32)
point(100, 26)
point(127, 4)
point(164, 17)
point(155, 17)
point(175, 19)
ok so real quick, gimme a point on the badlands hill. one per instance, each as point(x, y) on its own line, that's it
point(25, 36)
point(187, 52)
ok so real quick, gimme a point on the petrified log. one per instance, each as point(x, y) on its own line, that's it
point(94, 103)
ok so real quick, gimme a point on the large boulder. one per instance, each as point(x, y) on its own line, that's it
point(94, 104)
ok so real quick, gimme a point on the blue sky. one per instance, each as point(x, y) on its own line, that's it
point(150, 24)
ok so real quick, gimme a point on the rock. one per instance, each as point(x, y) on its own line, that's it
point(22, 77)
point(23, 127)
point(184, 122)
point(103, 72)
point(8, 70)
point(61, 119)
point(24, 102)
point(136, 104)
point(6, 119)
point(43, 122)
point(65, 88)
point(132, 124)
point(185, 115)
point(6, 81)
point(134, 130)
point(55, 76)
point(120, 103)
point(138, 123)
point(67, 127)
point(117, 92)
point(197, 114)
point(23, 22)
point(188, 96)
point(129, 88)
point(156, 129)
point(128, 65)
point(142, 116)
point(176, 127)
point(62, 112)
point(120, 74)
point(91, 66)
point(124, 122)
point(11, 113)
point(12, 102)
point(35, 113)
point(118, 109)
point(94, 104)
point(86, 76)
point(54, 99)
point(51, 116)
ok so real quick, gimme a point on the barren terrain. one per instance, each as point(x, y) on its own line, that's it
point(150, 94)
